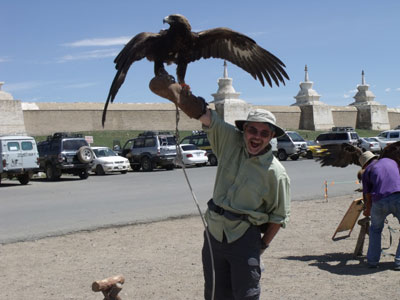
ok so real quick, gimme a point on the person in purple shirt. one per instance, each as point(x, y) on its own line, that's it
point(381, 186)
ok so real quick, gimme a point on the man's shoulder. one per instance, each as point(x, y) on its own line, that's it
point(275, 166)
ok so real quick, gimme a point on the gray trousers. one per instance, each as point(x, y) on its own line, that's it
point(237, 267)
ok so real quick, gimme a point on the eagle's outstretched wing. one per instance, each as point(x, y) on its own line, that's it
point(140, 46)
point(240, 50)
point(340, 155)
point(392, 151)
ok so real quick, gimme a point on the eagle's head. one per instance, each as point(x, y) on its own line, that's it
point(177, 19)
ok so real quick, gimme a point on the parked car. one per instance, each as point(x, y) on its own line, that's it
point(19, 158)
point(314, 150)
point(391, 135)
point(191, 155)
point(150, 150)
point(291, 145)
point(369, 144)
point(106, 160)
point(382, 142)
point(199, 138)
point(338, 137)
point(65, 153)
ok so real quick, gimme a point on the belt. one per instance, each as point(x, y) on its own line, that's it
point(227, 214)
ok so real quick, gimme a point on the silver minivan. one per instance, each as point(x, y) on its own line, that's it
point(19, 158)
point(390, 135)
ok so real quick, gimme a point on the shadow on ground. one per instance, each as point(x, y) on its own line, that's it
point(341, 263)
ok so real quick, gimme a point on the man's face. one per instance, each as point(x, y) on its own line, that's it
point(257, 137)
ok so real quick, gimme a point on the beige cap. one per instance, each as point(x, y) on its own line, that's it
point(366, 157)
point(261, 116)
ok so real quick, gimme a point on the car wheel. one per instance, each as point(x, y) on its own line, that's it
point(309, 155)
point(282, 156)
point(170, 167)
point(51, 172)
point(85, 154)
point(147, 165)
point(294, 157)
point(99, 170)
point(124, 172)
point(84, 174)
point(23, 179)
point(135, 167)
point(213, 160)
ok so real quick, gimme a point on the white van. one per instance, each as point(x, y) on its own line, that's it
point(19, 158)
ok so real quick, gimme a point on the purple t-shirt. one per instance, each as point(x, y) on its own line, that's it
point(381, 178)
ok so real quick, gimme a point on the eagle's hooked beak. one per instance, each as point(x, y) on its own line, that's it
point(166, 20)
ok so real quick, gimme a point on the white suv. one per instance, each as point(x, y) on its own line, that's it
point(391, 135)
point(292, 145)
point(338, 137)
point(19, 158)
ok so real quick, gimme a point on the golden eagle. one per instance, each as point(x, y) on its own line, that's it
point(342, 155)
point(181, 46)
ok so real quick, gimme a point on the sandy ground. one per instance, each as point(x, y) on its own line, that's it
point(162, 260)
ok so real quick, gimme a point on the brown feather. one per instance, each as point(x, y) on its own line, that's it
point(181, 46)
point(340, 155)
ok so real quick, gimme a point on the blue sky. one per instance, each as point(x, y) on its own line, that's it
point(63, 51)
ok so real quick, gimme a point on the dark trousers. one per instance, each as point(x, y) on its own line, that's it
point(237, 267)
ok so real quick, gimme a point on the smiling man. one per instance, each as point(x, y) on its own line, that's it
point(251, 197)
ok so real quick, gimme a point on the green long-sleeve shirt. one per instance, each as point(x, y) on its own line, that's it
point(256, 186)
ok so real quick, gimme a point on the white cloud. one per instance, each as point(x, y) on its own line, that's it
point(122, 40)
point(397, 89)
point(388, 90)
point(4, 59)
point(90, 55)
point(80, 85)
point(19, 86)
point(349, 93)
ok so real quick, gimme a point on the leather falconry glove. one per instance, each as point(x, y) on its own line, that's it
point(165, 87)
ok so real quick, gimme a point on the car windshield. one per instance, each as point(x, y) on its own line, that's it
point(104, 152)
point(74, 144)
point(312, 143)
point(189, 147)
point(382, 134)
point(295, 136)
point(167, 140)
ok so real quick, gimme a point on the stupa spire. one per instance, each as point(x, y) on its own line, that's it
point(362, 78)
point(225, 70)
point(306, 75)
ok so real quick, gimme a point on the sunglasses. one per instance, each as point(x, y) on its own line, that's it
point(254, 131)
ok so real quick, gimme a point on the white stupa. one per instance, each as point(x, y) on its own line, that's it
point(227, 102)
point(364, 96)
point(225, 88)
point(306, 95)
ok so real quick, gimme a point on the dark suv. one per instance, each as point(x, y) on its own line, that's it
point(150, 150)
point(65, 153)
point(199, 138)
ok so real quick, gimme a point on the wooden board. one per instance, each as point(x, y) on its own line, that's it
point(350, 217)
